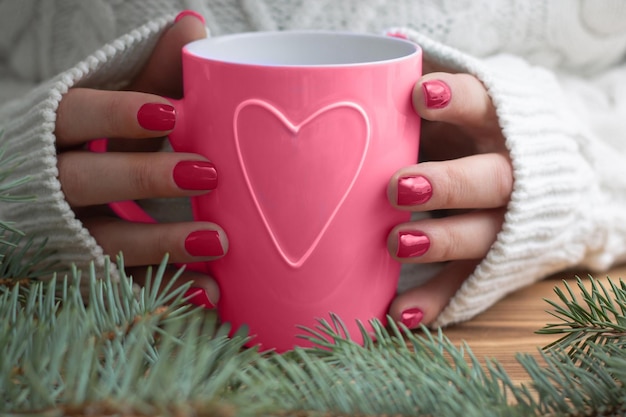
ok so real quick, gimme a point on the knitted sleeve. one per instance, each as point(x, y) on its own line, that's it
point(567, 141)
point(27, 125)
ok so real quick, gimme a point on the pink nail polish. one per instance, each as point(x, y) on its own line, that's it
point(436, 94)
point(412, 244)
point(156, 116)
point(189, 13)
point(413, 190)
point(195, 175)
point(199, 297)
point(412, 317)
point(399, 35)
point(204, 243)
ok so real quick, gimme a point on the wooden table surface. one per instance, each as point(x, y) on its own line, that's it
point(510, 325)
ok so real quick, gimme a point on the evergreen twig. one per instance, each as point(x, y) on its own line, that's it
point(598, 318)
point(8, 164)
point(125, 351)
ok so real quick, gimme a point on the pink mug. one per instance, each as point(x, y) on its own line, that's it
point(305, 130)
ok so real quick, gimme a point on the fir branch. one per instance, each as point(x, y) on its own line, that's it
point(21, 259)
point(565, 388)
point(599, 318)
point(119, 348)
point(8, 164)
point(403, 373)
point(147, 353)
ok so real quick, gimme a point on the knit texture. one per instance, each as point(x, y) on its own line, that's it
point(554, 220)
point(28, 131)
point(555, 71)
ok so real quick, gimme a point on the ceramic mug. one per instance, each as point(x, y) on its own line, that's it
point(305, 130)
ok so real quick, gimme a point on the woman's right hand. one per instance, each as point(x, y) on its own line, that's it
point(136, 118)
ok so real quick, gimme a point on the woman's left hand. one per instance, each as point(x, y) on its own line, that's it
point(468, 177)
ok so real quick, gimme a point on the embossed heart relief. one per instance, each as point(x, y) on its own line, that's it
point(306, 155)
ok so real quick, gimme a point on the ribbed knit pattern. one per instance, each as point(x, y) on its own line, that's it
point(552, 222)
point(554, 70)
point(28, 131)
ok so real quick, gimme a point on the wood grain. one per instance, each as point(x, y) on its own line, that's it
point(509, 326)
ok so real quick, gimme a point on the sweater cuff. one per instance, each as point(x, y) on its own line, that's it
point(28, 126)
point(548, 225)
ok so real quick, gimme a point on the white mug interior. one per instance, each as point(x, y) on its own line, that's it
point(302, 48)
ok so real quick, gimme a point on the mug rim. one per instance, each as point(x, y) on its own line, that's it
point(219, 49)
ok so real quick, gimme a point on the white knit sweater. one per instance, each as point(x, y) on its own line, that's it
point(555, 70)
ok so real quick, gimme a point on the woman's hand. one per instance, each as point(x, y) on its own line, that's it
point(468, 177)
point(138, 119)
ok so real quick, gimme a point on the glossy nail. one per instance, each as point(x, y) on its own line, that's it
point(399, 35)
point(204, 243)
point(156, 116)
point(413, 190)
point(199, 297)
point(412, 317)
point(412, 244)
point(436, 94)
point(195, 175)
point(189, 13)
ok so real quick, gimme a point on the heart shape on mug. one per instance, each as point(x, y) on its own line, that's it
point(288, 165)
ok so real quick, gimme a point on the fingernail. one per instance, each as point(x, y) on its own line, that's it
point(204, 243)
point(412, 317)
point(413, 190)
point(156, 116)
point(412, 244)
point(436, 94)
point(399, 35)
point(195, 175)
point(199, 297)
point(189, 13)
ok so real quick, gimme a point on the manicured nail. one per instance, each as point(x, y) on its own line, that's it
point(157, 116)
point(397, 35)
point(412, 244)
point(413, 190)
point(199, 297)
point(412, 317)
point(204, 243)
point(436, 94)
point(195, 175)
point(189, 13)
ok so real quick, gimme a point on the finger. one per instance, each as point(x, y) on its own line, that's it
point(203, 290)
point(163, 72)
point(442, 141)
point(422, 305)
point(146, 244)
point(86, 114)
point(462, 236)
point(429, 66)
point(477, 181)
point(91, 179)
point(459, 99)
